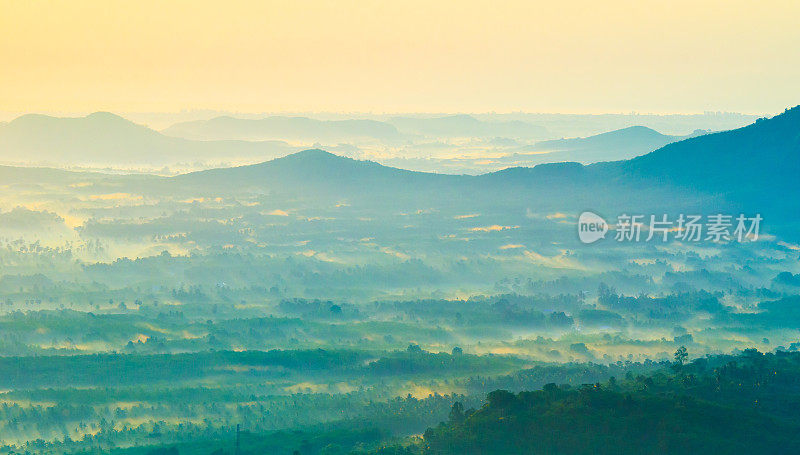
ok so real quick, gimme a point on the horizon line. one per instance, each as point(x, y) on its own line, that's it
point(82, 113)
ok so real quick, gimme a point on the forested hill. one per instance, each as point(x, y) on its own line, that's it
point(722, 404)
point(725, 404)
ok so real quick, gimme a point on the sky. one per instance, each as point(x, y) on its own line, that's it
point(399, 56)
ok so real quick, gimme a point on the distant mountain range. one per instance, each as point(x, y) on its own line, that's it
point(108, 139)
point(614, 145)
point(284, 128)
point(764, 154)
point(467, 126)
point(327, 131)
point(753, 169)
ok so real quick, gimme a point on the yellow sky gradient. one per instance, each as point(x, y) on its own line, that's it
point(380, 56)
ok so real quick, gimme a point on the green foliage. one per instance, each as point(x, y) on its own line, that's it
point(723, 404)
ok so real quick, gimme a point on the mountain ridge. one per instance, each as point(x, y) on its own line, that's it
point(761, 132)
point(106, 138)
point(619, 144)
point(465, 125)
point(752, 168)
point(283, 128)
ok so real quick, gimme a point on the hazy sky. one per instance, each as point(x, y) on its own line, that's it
point(381, 56)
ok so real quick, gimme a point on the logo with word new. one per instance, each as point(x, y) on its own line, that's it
point(591, 227)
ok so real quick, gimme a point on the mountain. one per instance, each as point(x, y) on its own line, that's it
point(758, 158)
point(104, 139)
point(614, 145)
point(763, 156)
point(284, 128)
point(752, 169)
point(321, 174)
point(582, 125)
point(755, 168)
point(312, 130)
point(467, 126)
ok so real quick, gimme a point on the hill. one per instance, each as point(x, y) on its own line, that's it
point(107, 139)
point(597, 421)
point(321, 174)
point(749, 170)
point(725, 404)
point(762, 155)
point(752, 169)
point(614, 145)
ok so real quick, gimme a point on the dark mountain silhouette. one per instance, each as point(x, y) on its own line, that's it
point(283, 128)
point(104, 138)
point(761, 157)
point(755, 168)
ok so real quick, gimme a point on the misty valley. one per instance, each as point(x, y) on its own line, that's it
point(320, 304)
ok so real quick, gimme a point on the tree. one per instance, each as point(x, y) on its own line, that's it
point(457, 412)
point(680, 355)
point(501, 399)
